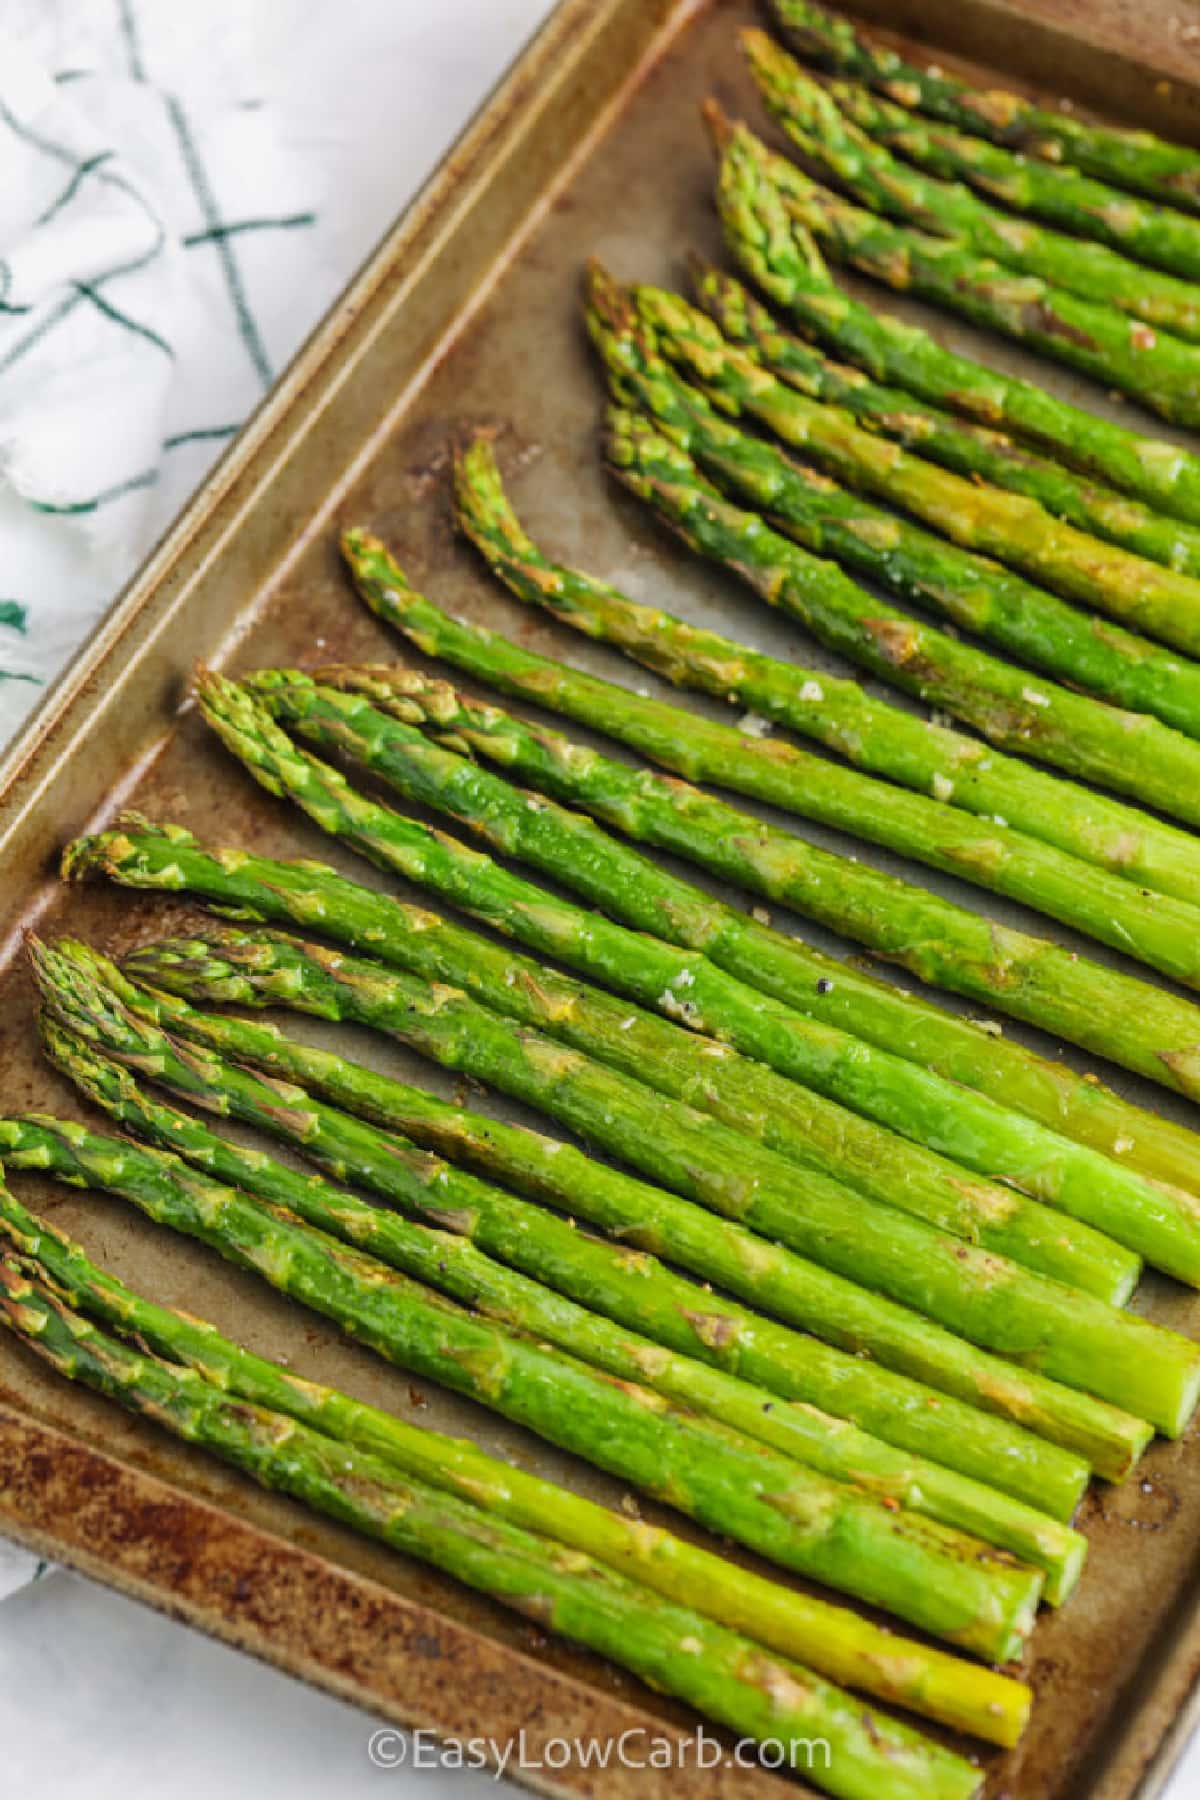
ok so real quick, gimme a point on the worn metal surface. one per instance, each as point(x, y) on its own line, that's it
point(468, 313)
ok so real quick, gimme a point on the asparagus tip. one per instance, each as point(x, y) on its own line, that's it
point(41, 960)
point(473, 458)
point(758, 44)
point(482, 510)
point(207, 684)
point(357, 543)
point(719, 125)
point(609, 303)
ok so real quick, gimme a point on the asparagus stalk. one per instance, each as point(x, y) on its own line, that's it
point(749, 1096)
point(974, 1132)
point(654, 809)
point(1132, 753)
point(266, 970)
point(972, 590)
point(669, 975)
point(833, 1309)
point(825, 129)
point(1080, 1108)
point(1044, 813)
point(773, 1505)
point(789, 270)
point(1130, 159)
point(972, 450)
point(495, 1223)
point(746, 1095)
point(795, 1121)
point(706, 521)
point(1161, 371)
point(1129, 752)
point(990, 1301)
point(1058, 193)
point(144, 856)
point(692, 825)
point(838, 714)
point(831, 1639)
point(1105, 1436)
point(677, 1648)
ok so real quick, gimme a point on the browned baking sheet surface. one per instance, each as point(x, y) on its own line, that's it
point(446, 329)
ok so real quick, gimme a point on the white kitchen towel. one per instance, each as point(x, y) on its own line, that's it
point(155, 232)
point(184, 190)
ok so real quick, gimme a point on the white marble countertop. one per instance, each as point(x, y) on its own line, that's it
point(101, 1698)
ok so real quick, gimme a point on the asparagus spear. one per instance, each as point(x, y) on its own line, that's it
point(789, 270)
point(669, 973)
point(265, 970)
point(1081, 1109)
point(1038, 717)
point(677, 1648)
point(1130, 159)
point(824, 128)
point(796, 1122)
point(140, 855)
point(1058, 193)
point(693, 825)
point(831, 1639)
point(742, 1489)
point(1019, 862)
point(974, 1132)
point(746, 1095)
point(971, 589)
point(506, 1231)
point(750, 1096)
point(972, 450)
point(838, 714)
point(1001, 1306)
point(1161, 371)
point(846, 1314)
point(837, 1311)
point(1052, 1005)
point(1089, 1428)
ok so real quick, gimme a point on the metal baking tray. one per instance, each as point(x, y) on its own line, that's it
point(468, 312)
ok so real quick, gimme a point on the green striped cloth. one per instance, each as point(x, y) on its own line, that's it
point(159, 259)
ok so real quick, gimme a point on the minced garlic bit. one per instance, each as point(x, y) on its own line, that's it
point(943, 787)
point(811, 690)
point(752, 724)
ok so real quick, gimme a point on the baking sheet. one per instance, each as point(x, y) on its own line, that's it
point(469, 315)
